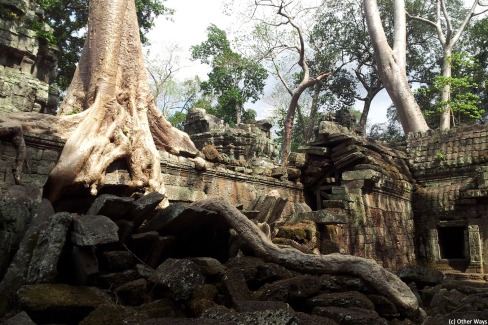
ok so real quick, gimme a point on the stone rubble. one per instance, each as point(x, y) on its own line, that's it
point(185, 288)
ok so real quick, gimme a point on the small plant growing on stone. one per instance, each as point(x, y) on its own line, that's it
point(440, 156)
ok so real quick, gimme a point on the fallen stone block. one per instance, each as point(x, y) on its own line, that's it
point(112, 206)
point(60, 303)
point(21, 318)
point(90, 230)
point(142, 207)
point(132, 293)
point(177, 278)
point(43, 265)
point(116, 261)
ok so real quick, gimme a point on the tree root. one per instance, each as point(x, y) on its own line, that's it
point(382, 280)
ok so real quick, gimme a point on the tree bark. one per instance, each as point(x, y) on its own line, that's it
point(382, 280)
point(391, 65)
point(118, 118)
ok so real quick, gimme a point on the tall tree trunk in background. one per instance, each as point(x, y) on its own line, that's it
point(448, 38)
point(364, 115)
point(118, 118)
point(308, 129)
point(392, 65)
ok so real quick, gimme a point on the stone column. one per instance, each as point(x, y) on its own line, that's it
point(475, 252)
point(433, 251)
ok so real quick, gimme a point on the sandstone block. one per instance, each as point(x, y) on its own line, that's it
point(60, 303)
point(112, 206)
point(43, 265)
point(91, 230)
point(177, 278)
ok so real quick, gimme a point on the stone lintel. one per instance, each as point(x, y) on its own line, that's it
point(322, 217)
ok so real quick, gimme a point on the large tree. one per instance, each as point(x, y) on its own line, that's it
point(68, 20)
point(108, 113)
point(448, 34)
point(391, 63)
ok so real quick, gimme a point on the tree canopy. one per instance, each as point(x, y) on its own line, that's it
point(234, 79)
point(68, 20)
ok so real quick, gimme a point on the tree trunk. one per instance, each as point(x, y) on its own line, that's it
point(364, 114)
point(119, 119)
point(382, 280)
point(308, 134)
point(391, 66)
point(288, 125)
point(445, 118)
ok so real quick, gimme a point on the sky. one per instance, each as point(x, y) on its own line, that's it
point(188, 28)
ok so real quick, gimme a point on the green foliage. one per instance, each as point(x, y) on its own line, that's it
point(68, 19)
point(391, 131)
point(464, 103)
point(234, 79)
point(177, 119)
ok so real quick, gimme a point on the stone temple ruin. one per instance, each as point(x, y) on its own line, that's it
point(426, 205)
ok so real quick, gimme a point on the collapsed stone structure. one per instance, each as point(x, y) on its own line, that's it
point(341, 193)
point(27, 63)
point(250, 141)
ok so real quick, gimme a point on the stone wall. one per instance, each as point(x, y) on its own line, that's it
point(27, 65)
point(451, 200)
point(247, 142)
point(183, 182)
point(42, 154)
point(368, 186)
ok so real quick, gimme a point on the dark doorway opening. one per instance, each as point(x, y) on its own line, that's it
point(451, 242)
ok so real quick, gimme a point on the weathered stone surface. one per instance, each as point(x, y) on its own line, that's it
point(350, 316)
point(112, 206)
point(132, 293)
point(60, 303)
point(43, 265)
point(163, 308)
point(143, 206)
point(109, 314)
point(312, 150)
point(299, 287)
point(16, 273)
point(342, 299)
point(20, 319)
point(445, 301)
point(116, 261)
point(263, 314)
point(271, 272)
point(297, 159)
point(383, 306)
point(113, 280)
point(209, 266)
point(90, 230)
point(464, 317)
point(422, 276)
point(307, 319)
point(245, 142)
point(235, 286)
point(177, 278)
point(212, 154)
point(322, 217)
point(344, 282)
point(177, 217)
